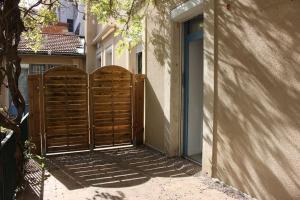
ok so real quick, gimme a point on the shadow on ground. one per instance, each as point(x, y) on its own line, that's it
point(34, 182)
point(114, 168)
point(108, 196)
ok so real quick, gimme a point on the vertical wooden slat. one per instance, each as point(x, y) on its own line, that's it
point(111, 102)
point(112, 105)
point(66, 109)
point(133, 109)
point(87, 109)
point(91, 116)
point(77, 111)
point(42, 116)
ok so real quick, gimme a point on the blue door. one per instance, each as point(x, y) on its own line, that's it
point(193, 89)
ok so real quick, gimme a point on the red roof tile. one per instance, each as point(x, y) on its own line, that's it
point(55, 44)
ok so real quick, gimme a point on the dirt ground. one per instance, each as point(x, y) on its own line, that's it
point(123, 174)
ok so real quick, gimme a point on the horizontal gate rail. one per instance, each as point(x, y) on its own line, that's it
point(111, 106)
point(71, 110)
point(66, 109)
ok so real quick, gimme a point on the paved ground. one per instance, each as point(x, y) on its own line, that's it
point(122, 174)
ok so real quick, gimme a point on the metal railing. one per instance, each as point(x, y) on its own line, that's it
point(8, 166)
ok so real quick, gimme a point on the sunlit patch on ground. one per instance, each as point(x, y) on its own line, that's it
point(125, 173)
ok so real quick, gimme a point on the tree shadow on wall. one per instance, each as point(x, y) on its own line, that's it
point(257, 141)
point(161, 31)
point(163, 63)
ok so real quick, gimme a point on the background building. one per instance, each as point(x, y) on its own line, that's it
point(62, 44)
point(73, 15)
point(101, 48)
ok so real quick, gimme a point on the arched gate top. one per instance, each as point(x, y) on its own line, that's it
point(64, 70)
point(110, 68)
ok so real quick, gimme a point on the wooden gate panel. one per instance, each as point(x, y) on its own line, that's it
point(60, 112)
point(138, 109)
point(66, 109)
point(111, 103)
point(34, 111)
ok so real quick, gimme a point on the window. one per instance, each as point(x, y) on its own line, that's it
point(139, 63)
point(41, 69)
point(108, 56)
point(100, 61)
point(70, 25)
point(35, 69)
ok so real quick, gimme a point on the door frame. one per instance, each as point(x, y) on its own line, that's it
point(187, 38)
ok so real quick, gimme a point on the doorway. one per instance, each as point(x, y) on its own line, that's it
point(193, 89)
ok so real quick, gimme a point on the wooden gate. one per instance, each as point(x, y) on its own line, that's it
point(66, 109)
point(35, 104)
point(111, 106)
point(67, 112)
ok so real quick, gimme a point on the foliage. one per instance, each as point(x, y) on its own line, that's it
point(29, 17)
point(16, 18)
point(126, 15)
point(34, 24)
point(36, 19)
point(29, 153)
point(19, 17)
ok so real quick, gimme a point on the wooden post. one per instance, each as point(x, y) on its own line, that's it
point(42, 114)
point(90, 113)
point(138, 109)
point(34, 111)
point(133, 111)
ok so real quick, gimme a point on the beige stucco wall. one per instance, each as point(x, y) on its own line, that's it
point(90, 27)
point(121, 59)
point(210, 88)
point(132, 60)
point(163, 81)
point(99, 37)
point(258, 105)
point(62, 60)
point(124, 59)
point(251, 93)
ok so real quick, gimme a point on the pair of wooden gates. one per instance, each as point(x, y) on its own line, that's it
point(71, 110)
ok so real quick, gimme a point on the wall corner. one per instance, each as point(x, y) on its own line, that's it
point(210, 87)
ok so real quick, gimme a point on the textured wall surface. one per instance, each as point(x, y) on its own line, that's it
point(163, 84)
point(90, 29)
point(251, 93)
point(258, 105)
point(62, 60)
